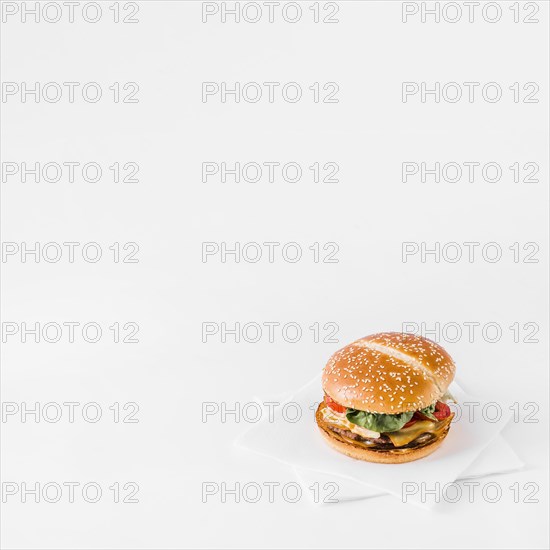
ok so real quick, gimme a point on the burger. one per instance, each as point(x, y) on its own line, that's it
point(386, 398)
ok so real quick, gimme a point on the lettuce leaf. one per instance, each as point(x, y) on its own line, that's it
point(428, 411)
point(379, 422)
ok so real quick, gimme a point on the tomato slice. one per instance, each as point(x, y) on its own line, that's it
point(331, 404)
point(442, 410)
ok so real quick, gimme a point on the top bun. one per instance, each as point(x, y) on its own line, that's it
point(389, 373)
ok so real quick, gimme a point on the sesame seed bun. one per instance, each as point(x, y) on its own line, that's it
point(389, 373)
point(393, 456)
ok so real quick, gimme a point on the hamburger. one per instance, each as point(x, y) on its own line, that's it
point(386, 398)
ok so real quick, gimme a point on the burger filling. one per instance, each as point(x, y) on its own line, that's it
point(387, 431)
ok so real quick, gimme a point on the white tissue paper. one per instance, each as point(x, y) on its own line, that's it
point(497, 457)
point(290, 435)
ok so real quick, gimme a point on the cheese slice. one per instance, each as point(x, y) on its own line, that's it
point(406, 435)
point(340, 421)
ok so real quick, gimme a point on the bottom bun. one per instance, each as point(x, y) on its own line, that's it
point(393, 456)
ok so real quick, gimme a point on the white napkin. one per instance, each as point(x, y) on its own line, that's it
point(498, 457)
point(298, 443)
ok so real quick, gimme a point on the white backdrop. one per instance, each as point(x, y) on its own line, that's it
point(160, 305)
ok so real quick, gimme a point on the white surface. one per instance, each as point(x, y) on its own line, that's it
point(497, 457)
point(298, 444)
point(170, 292)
